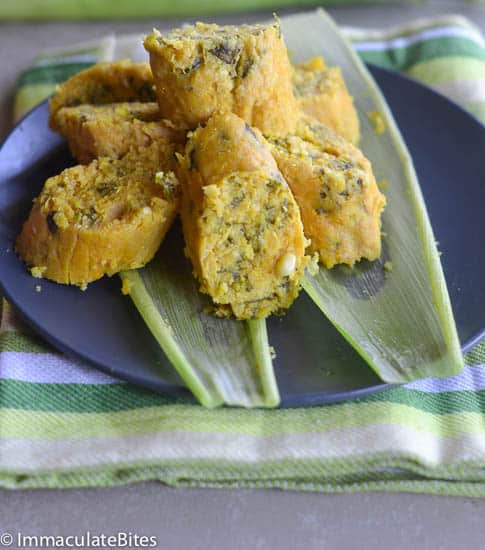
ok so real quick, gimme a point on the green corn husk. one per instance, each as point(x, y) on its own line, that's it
point(400, 319)
point(220, 361)
point(121, 9)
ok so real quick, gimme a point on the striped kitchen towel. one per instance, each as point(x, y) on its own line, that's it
point(63, 424)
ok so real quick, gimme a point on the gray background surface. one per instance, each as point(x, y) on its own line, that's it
point(234, 519)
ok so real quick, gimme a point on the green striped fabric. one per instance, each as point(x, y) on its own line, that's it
point(447, 54)
point(63, 424)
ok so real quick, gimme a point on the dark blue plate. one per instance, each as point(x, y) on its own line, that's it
point(314, 364)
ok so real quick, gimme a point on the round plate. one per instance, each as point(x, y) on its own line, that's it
point(314, 364)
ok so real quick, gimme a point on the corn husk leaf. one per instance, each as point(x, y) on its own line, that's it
point(121, 9)
point(220, 361)
point(396, 311)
